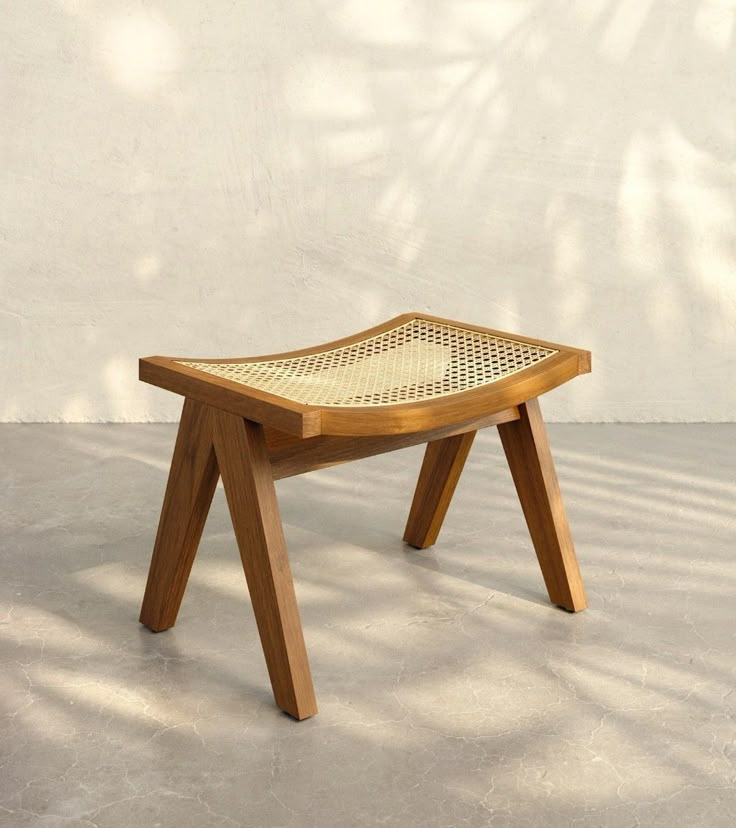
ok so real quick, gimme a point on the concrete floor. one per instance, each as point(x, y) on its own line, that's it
point(451, 693)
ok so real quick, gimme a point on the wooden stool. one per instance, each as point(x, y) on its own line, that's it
point(414, 379)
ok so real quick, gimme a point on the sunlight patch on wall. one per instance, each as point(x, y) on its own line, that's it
point(506, 314)
point(399, 208)
point(639, 203)
point(147, 268)
point(353, 146)
point(624, 29)
point(439, 139)
point(706, 213)
point(139, 181)
point(590, 10)
point(470, 83)
point(334, 90)
point(412, 245)
point(330, 87)
point(469, 111)
point(670, 318)
point(565, 227)
point(568, 249)
point(497, 20)
point(714, 23)
point(76, 410)
point(121, 379)
point(668, 192)
point(380, 21)
point(10, 412)
point(574, 302)
point(75, 7)
point(141, 51)
point(551, 91)
point(399, 202)
point(535, 45)
point(371, 304)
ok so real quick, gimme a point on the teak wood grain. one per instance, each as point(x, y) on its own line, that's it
point(441, 469)
point(192, 481)
point(251, 403)
point(532, 468)
point(242, 456)
point(290, 456)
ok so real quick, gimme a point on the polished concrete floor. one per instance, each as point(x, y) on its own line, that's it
point(451, 693)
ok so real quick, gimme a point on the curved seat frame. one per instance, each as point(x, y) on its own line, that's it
point(402, 418)
point(252, 437)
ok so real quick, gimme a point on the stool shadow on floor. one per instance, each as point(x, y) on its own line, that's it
point(423, 679)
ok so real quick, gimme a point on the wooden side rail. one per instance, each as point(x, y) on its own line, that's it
point(291, 455)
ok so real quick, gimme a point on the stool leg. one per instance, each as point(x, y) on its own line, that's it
point(530, 460)
point(443, 463)
point(246, 474)
point(192, 481)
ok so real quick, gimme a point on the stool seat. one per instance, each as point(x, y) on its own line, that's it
point(414, 379)
point(412, 373)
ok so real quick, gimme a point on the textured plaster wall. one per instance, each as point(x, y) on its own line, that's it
point(219, 178)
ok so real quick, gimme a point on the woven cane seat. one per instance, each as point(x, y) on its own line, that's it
point(417, 360)
point(374, 382)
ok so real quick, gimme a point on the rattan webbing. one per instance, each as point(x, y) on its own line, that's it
point(419, 360)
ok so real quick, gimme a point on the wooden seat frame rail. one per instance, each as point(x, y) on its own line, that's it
point(251, 439)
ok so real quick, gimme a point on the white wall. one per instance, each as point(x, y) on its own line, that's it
point(230, 178)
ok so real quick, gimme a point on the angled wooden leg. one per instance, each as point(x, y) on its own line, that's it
point(192, 481)
point(530, 460)
point(443, 463)
point(242, 455)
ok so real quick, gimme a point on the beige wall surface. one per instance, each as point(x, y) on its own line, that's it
point(233, 178)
